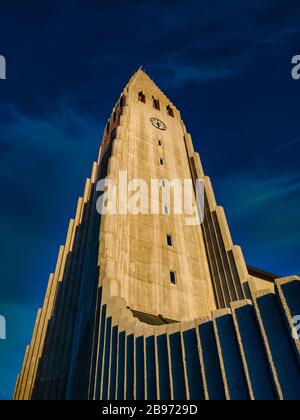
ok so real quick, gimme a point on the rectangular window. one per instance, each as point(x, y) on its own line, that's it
point(170, 111)
point(166, 209)
point(156, 104)
point(173, 277)
point(142, 97)
point(170, 240)
point(163, 183)
point(161, 161)
point(159, 142)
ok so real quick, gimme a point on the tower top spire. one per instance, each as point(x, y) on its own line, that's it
point(141, 76)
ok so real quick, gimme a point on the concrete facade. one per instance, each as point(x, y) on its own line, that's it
point(114, 326)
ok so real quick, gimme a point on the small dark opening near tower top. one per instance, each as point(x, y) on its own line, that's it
point(142, 97)
point(170, 240)
point(173, 277)
point(170, 111)
point(122, 101)
point(156, 104)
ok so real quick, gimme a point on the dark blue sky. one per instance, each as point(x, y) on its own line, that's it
point(225, 64)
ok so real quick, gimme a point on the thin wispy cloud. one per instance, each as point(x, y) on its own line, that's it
point(258, 189)
point(198, 74)
point(286, 145)
point(278, 187)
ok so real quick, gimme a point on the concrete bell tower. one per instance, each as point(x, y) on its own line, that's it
point(145, 305)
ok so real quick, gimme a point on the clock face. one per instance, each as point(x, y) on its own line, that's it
point(158, 123)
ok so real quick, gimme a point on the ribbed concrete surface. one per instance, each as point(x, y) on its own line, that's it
point(246, 352)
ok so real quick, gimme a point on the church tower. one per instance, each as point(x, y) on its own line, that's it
point(148, 299)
